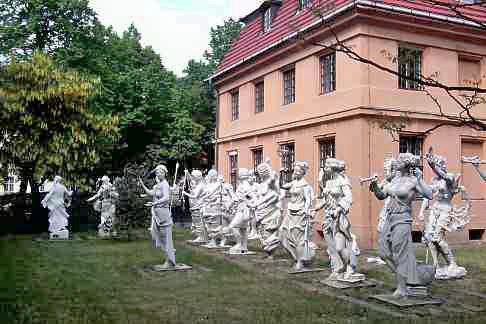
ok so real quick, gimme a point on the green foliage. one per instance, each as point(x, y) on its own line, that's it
point(222, 36)
point(46, 121)
point(132, 215)
point(44, 25)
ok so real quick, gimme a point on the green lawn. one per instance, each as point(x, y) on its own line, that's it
point(101, 281)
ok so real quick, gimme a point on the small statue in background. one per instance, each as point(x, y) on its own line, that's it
point(55, 201)
point(342, 245)
point(296, 226)
point(228, 210)
point(106, 204)
point(268, 209)
point(443, 217)
point(196, 202)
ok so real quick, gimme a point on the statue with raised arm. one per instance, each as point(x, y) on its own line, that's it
point(396, 235)
point(342, 244)
point(240, 222)
point(268, 208)
point(161, 222)
point(443, 217)
point(211, 212)
point(55, 201)
point(105, 202)
point(196, 203)
point(229, 205)
point(296, 226)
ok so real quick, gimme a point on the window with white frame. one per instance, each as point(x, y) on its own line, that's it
point(287, 156)
point(267, 19)
point(259, 97)
point(303, 4)
point(289, 86)
point(327, 67)
point(235, 104)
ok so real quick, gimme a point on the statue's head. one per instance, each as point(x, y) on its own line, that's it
point(160, 171)
point(196, 176)
point(105, 180)
point(57, 179)
point(264, 169)
point(334, 165)
point(405, 162)
point(212, 175)
point(300, 169)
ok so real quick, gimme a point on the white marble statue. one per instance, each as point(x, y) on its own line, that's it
point(337, 200)
point(229, 206)
point(240, 222)
point(212, 202)
point(196, 205)
point(161, 223)
point(443, 217)
point(295, 230)
point(395, 237)
point(105, 202)
point(55, 201)
point(253, 234)
point(268, 208)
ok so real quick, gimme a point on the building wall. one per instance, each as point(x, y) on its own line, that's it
point(350, 112)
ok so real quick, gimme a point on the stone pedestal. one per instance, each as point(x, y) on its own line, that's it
point(59, 235)
point(306, 270)
point(178, 267)
point(408, 301)
point(240, 252)
point(338, 284)
point(450, 272)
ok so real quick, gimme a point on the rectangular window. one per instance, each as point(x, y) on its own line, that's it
point(289, 86)
point(469, 72)
point(327, 64)
point(470, 178)
point(235, 105)
point(259, 97)
point(412, 144)
point(327, 149)
point(8, 185)
point(409, 68)
point(303, 4)
point(257, 158)
point(287, 156)
point(233, 164)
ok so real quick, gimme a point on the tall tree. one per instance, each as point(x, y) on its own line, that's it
point(44, 25)
point(46, 124)
point(221, 38)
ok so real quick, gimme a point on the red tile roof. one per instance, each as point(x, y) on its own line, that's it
point(253, 41)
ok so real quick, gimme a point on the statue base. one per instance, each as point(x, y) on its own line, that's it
point(306, 270)
point(408, 301)
point(177, 267)
point(214, 247)
point(61, 235)
point(240, 252)
point(352, 278)
point(445, 273)
point(338, 284)
point(196, 242)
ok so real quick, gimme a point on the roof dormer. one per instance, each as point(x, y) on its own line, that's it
point(267, 11)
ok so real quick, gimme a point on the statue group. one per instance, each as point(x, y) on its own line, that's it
point(281, 214)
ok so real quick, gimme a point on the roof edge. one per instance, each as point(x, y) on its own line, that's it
point(355, 3)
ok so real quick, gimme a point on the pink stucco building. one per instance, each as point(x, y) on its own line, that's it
point(276, 92)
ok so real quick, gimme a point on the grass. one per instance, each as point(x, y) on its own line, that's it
point(103, 281)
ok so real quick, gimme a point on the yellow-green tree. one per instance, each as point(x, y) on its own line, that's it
point(46, 126)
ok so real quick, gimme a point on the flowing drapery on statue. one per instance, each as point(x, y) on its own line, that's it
point(395, 237)
point(161, 222)
point(268, 208)
point(337, 200)
point(196, 203)
point(444, 217)
point(295, 228)
point(55, 201)
point(105, 202)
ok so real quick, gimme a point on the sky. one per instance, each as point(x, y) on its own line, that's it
point(177, 29)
